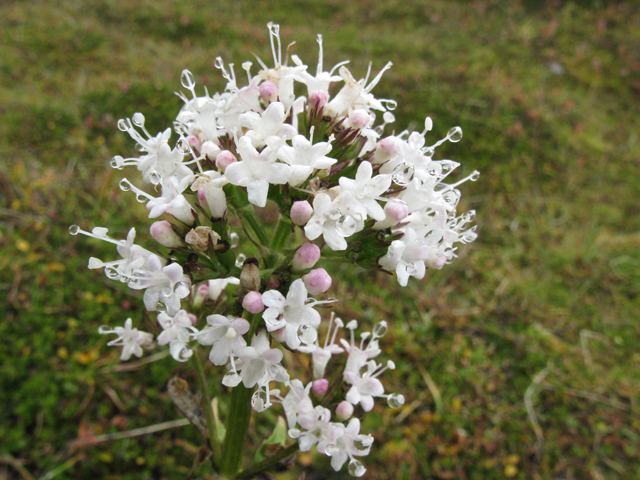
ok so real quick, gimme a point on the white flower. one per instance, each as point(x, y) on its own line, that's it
point(367, 189)
point(133, 256)
point(259, 364)
point(316, 429)
point(355, 95)
point(322, 355)
point(175, 331)
point(268, 128)
point(165, 284)
point(304, 157)
point(224, 335)
point(350, 444)
point(295, 314)
point(256, 171)
point(297, 402)
point(364, 387)
point(336, 219)
point(322, 80)
point(406, 257)
point(172, 201)
point(131, 339)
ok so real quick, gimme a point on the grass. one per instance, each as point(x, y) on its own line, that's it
point(546, 94)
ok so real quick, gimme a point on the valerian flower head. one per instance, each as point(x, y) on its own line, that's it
point(295, 183)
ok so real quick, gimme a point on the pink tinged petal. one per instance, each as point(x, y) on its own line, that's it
point(371, 386)
point(241, 326)
point(273, 355)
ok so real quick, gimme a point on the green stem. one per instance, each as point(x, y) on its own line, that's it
point(212, 425)
point(282, 233)
point(249, 216)
point(266, 463)
point(237, 429)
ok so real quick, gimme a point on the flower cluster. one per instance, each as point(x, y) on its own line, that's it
point(342, 190)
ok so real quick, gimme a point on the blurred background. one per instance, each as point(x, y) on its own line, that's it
point(520, 360)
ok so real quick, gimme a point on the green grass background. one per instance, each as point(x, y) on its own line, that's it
point(544, 302)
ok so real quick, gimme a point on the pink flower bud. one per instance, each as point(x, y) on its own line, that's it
point(317, 281)
point(224, 159)
point(436, 263)
point(396, 211)
point(385, 150)
point(318, 99)
point(252, 302)
point(280, 335)
point(301, 212)
point(359, 118)
point(268, 91)
point(193, 318)
point(201, 294)
point(344, 410)
point(306, 257)
point(194, 141)
point(163, 233)
point(210, 149)
point(320, 386)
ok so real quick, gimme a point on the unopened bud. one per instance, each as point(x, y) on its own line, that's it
point(252, 302)
point(320, 386)
point(280, 335)
point(385, 150)
point(210, 149)
point(268, 91)
point(201, 294)
point(317, 281)
point(250, 276)
point(163, 233)
point(305, 257)
point(359, 118)
point(194, 141)
point(344, 410)
point(396, 211)
point(436, 263)
point(193, 318)
point(224, 159)
point(318, 99)
point(301, 212)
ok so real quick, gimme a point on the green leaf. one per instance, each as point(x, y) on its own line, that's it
point(278, 437)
